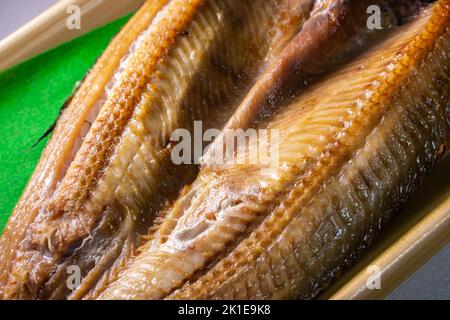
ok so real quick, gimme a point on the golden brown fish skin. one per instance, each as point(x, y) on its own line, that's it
point(238, 235)
point(50, 168)
point(80, 221)
point(334, 27)
point(284, 19)
point(84, 170)
point(326, 40)
point(341, 204)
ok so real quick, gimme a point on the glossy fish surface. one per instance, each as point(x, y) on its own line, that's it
point(352, 148)
point(107, 170)
point(325, 127)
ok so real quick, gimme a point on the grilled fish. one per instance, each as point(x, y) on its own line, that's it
point(353, 147)
point(107, 170)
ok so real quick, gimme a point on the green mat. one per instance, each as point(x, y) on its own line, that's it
point(31, 95)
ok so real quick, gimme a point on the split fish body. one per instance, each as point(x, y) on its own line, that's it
point(352, 148)
point(107, 170)
point(362, 116)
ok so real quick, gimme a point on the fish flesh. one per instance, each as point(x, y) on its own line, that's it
point(353, 147)
point(107, 170)
point(362, 117)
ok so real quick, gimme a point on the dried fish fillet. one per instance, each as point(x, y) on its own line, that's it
point(353, 148)
point(51, 167)
point(107, 170)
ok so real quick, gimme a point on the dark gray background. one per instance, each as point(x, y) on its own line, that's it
point(432, 281)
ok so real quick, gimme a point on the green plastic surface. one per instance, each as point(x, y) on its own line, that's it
point(31, 95)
